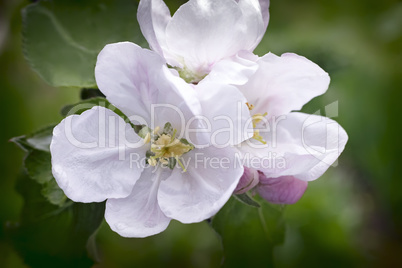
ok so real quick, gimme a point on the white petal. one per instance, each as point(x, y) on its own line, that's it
point(303, 146)
point(255, 19)
point(200, 192)
point(123, 72)
point(235, 70)
point(225, 108)
point(153, 17)
point(91, 158)
point(138, 82)
point(203, 32)
point(139, 215)
point(283, 84)
point(264, 4)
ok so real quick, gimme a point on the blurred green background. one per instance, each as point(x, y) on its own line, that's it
point(351, 217)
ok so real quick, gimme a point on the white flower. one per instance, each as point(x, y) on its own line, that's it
point(293, 147)
point(202, 32)
point(92, 152)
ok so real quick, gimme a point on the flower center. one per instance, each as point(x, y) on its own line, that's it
point(166, 148)
point(189, 76)
point(257, 118)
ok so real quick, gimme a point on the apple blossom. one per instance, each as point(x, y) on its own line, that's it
point(202, 32)
point(170, 179)
point(308, 144)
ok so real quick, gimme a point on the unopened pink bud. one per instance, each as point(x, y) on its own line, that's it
point(248, 181)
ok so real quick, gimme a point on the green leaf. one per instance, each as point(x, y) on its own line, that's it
point(53, 193)
point(82, 106)
point(38, 140)
point(88, 93)
point(38, 165)
point(246, 199)
point(39, 168)
point(52, 236)
point(62, 39)
point(249, 234)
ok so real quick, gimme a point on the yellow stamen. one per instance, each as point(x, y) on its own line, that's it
point(167, 146)
point(258, 137)
point(156, 130)
point(147, 138)
point(250, 106)
point(152, 161)
point(257, 118)
point(181, 164)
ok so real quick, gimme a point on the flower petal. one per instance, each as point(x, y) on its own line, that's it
point(248, 181)
point(301, 145)
point(91, 156)
point(283, 84)
point(282, 190)
point(138, 82)
point(123, 72)
point(235, 70)
point(139, 215)
point(153, 17)
point(225, 108)
point(264, 4)
point(256, 20)
point(203, 32)
point(200, 192)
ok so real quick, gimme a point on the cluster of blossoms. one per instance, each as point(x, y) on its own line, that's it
point(213, 117)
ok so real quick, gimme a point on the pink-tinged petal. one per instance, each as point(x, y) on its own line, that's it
point(200, 192)
point(235, 70)
point(202, 32)
point(248, 181)
point(224, 107)
point(139, 215)
point(282, 190)
point(301, 145)
point(283, 84)
point(92, 153)
point(138, 82)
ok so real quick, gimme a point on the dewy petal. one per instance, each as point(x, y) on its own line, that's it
point(200, 192)
point(304, 146)
point(282, 190)
point(139, 215)
point(91, 158)
point(203, 32)
point(283, 84)
point(225, 109)
point(138, 82)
